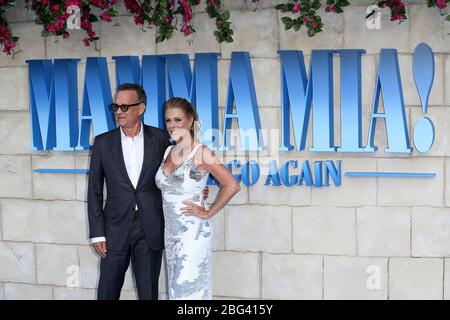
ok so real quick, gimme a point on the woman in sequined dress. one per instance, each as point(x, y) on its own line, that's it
point(182, 176)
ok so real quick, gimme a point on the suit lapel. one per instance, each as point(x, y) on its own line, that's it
point(116, 148)
point(148, 141)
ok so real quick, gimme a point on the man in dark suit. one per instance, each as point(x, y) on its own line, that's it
point(131, 225)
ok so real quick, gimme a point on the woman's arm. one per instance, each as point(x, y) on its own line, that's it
point(229, 186)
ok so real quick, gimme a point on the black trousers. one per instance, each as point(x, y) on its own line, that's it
point(145, 262)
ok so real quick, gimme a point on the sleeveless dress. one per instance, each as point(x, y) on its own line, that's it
point(187, 239)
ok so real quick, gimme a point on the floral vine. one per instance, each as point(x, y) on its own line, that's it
point(441, 5)
point(306, 14)
point(54, 16)
point(165, 14)
point(397, 8)
point(336, 5)
point(168, 16)
point(7, 39)
point(224, 31)
point(185, 10)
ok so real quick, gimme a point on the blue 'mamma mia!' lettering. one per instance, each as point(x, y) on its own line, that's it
point(53, 96)
point(54, 103)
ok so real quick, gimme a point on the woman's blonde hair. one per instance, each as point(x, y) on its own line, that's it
point(188, 109)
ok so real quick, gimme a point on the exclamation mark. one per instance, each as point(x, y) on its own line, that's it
point(423, 70)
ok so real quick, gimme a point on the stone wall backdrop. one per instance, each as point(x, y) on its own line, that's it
point(375, 238)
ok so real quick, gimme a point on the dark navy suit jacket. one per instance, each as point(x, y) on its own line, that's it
point(114, 220)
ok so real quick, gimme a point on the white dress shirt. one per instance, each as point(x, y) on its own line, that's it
point(133, 155)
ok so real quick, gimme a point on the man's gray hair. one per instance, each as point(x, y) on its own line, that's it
point(142, 97)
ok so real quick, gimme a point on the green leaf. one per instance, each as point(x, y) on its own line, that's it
point(344, 3)
point(288, 26)
point(448, 18)
point(159, 38)
point(312, 32)
point(228, 39)
point(338, 9)
point(179, 10)
point(288, 22)
point(225, 15)
point(316, 5)
point(113, 12)
point(297, 26)
point(211, 12)
point(282, 7)
point(92, 18)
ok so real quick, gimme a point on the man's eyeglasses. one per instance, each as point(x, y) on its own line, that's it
point(124, 107)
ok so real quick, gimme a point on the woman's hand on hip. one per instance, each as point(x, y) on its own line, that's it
point(192, 209)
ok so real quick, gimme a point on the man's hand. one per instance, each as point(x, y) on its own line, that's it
point(205, 193)
point(100, 247)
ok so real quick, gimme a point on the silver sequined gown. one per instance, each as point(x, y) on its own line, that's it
point(187, 239)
